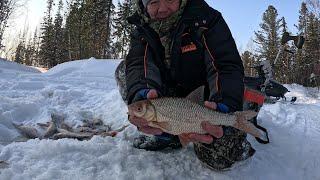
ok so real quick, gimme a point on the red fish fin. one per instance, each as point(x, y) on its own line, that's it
point(183, 140)
point(243, 124)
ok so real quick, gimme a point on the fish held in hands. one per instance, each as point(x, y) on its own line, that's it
point(181, 115)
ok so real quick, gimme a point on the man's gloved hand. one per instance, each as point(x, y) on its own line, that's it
point(212, 130)
point(143, 94)
point(141, 123)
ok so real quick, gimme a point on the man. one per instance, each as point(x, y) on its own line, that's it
point(177, 46)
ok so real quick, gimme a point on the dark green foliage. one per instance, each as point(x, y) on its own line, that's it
point(27, 50)
point(248, 63)
point(20, 53)
point(285, 65)
point(73, 30)
point(29, 53)
point(289, 68)
point(309, 56)
point(59, 45)
point(47, 39)
point(123, 28)
point(88, 29)
point(268, 37)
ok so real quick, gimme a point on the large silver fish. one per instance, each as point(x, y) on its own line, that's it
point(184, 115)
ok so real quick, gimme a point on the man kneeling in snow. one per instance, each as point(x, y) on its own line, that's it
point(177, 46)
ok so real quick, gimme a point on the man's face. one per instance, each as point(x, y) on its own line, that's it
point(162, 9)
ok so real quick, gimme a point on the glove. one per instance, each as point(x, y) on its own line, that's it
point(141, 95)
point(222, 108)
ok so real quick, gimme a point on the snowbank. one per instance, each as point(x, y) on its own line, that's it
point(9, 66)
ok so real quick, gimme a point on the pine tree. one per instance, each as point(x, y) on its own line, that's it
point(268, 38)
point(97, 27)
point(309, 56)
point(110, 11)
point(74, 31)
point(47, 43)
point(299, 60)
point(312, 46)
point(285, 60)
point(88, 29)
point(58, 38)
point(21, 49)
point(29, 52)
point(314, 6)
point(123, 28)
point(34, 48)
point(248, 63)
point(19, 54)
point(302, 22)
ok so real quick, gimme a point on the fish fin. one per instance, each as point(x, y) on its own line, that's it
point(247, 114)
point(183, 140)
point(197, 95)
point(243, 124)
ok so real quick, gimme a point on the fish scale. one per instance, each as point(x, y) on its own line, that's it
point(182, 115)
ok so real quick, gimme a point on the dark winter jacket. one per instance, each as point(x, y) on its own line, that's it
point(203, 52)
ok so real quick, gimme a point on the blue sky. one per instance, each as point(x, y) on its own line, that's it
point(243, 17)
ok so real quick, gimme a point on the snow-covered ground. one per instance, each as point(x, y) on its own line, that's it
point(86, 89)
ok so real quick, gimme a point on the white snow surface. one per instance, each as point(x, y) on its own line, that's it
point(9, 67)
point(87, 89)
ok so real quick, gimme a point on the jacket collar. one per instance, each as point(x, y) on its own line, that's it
point(193, 14)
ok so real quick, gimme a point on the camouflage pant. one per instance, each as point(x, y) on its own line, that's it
point(219, 155)
point(225, 151)
point(120, 76)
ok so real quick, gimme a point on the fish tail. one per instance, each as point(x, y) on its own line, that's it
point(243, 124)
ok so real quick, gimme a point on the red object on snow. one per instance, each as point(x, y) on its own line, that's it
point(253, 96)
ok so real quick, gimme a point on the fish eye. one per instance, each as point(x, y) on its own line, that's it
point(139, 109)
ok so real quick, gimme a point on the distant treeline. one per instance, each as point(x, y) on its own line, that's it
point(88, 28)
point(98, 28)
point(303, 67)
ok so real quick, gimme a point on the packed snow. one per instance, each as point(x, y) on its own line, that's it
point(86, 89)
